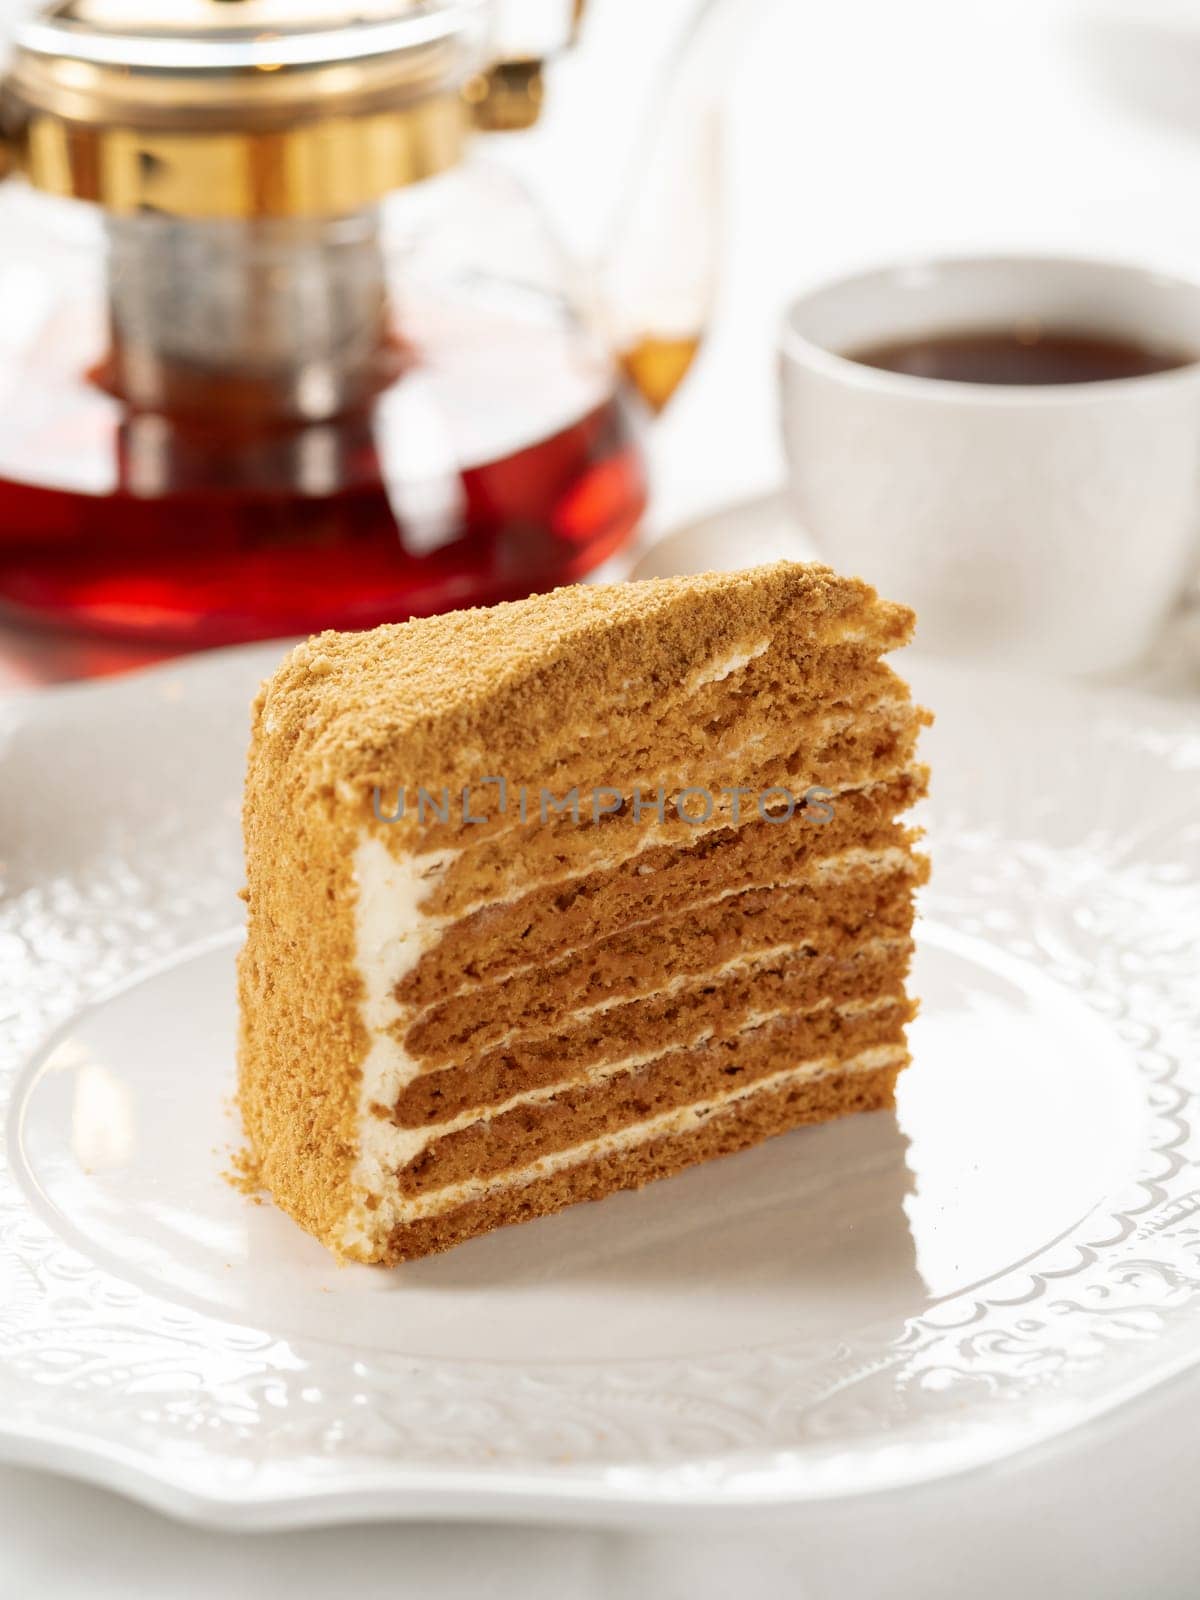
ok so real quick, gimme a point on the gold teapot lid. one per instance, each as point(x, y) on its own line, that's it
point(240, 108)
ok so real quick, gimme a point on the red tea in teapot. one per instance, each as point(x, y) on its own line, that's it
point(491, 455)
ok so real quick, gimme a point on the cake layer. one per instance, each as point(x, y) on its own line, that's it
point(626, 1095)
point(708, 1005)
point(550, 921)
point(744, 1117)
point(638, 961)
point(583, 836)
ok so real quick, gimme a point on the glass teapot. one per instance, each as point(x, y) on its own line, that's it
point(273, 356)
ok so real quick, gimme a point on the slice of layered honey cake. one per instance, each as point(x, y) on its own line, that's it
point(555, 898)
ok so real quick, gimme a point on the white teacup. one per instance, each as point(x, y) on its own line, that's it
point(1050, 527)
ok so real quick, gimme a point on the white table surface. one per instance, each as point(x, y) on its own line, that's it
point(858, 132)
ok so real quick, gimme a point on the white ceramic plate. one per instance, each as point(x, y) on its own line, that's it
point(853, 1307)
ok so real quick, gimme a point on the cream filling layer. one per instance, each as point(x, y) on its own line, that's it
point(720, 668)
point(762, 956)
point(397, 1147)
point(395, 1210)
point(391, 936)
point(825, 869)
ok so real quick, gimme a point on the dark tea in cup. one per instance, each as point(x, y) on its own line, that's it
point(1027, 353)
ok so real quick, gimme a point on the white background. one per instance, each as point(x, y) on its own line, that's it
point(857, 131)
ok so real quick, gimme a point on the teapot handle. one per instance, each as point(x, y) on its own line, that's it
point(8, 148)
point(659, 275)
point(656, 281)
